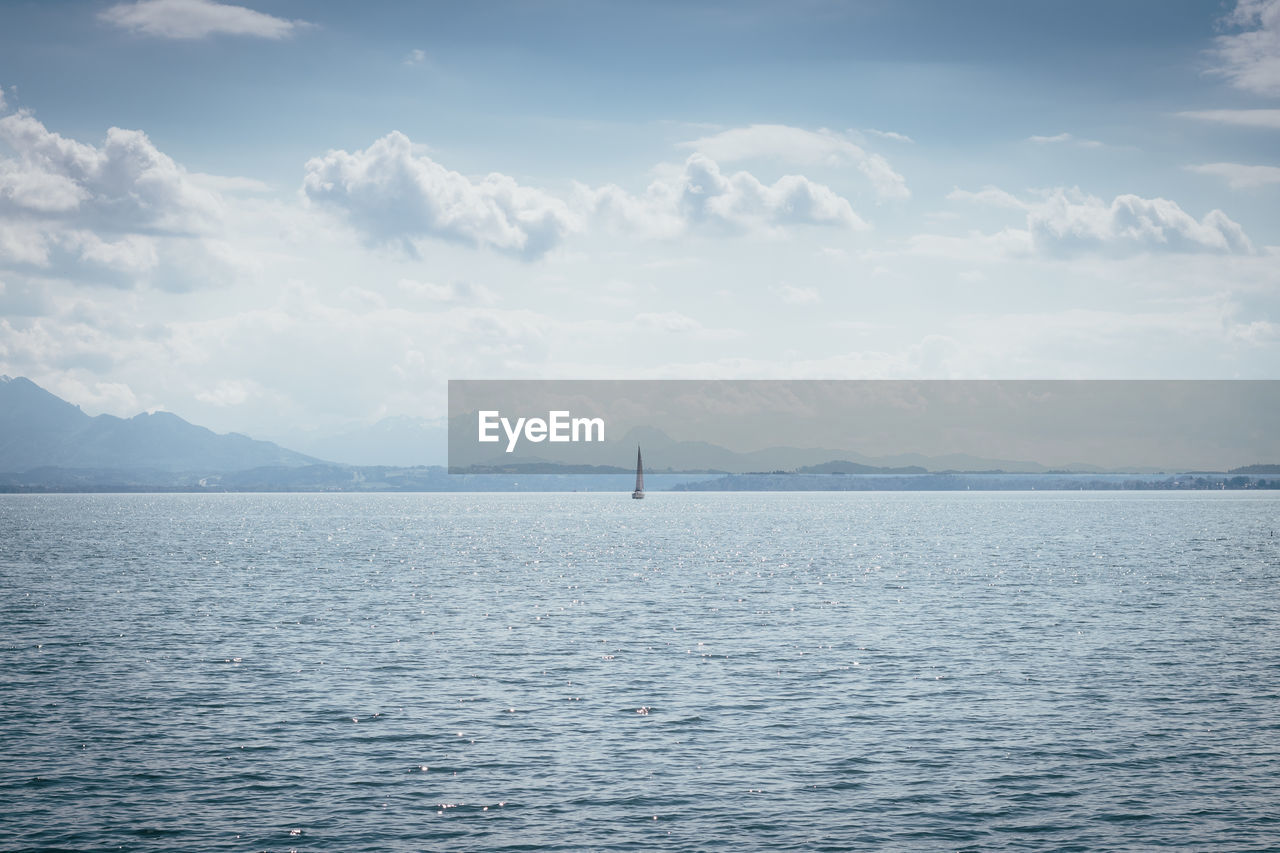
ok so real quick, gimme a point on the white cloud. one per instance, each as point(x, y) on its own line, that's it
point(700, 194)
point(933, 356)
point(196, 19)
point(1065, 221)
point(277, 356)
point(1256, 333)
point(1187, 339)
point(115, 398)
point(132, 254)
point(455, 292)
point(1246, 118)
point(393, 192)
point(228, 183)
point(1194, 338)
point(656, 213)
point(805, 147)
point(707, 194)
point(1066, 137)
point(676, 323)
point(118, 213)
point(415, 57)
point(1239, 175)
point(889, 134)
point(1250, 59)
point(23, 243)
point(126, 184)
point(974, 247)
point(230, 392)
point(793, 295)
point(993, 196)
point(670, 321)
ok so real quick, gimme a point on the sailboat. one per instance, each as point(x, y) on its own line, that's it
point(639, 492)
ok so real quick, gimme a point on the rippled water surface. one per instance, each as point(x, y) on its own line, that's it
point(1066, 671)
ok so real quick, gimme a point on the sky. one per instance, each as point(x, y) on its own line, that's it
point(296, 216)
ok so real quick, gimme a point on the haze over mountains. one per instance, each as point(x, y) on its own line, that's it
point(665, 453)
point(398, 440)
point(679, 455)
point(40, 430)
point(47, 443)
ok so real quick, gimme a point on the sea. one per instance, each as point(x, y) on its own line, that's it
point(694, 671)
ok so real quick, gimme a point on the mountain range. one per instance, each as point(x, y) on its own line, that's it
point(664, 453)
point(41, 430)
point(47, 443)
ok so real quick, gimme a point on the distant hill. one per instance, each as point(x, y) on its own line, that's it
point(843, 466)
point(399, 441)
point(1256, 471)
point(663, 453)
point(951, 481)
point(41, 430)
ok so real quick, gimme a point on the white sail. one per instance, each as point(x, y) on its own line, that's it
point(639, 492)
